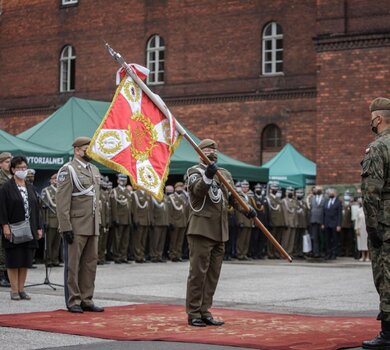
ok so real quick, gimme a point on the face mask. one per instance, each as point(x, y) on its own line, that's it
point(331, 196)
point(347, 198)
point(263, 192)
point(279, 194)
point(213, 157)
point(299, 197)
point(21, 174)
point(374, 129)
point(179, 191)
point(169, 193)
point(258, 192)
point(290, 195)
point(274, 191)
point(86, 157)
point(319, 192)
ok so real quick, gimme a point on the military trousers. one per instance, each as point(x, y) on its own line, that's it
point(176, 238)
point(53, 242)
point(157, 242)
point(206, 257)
point(380, 260)
point(243, 241)
point(121, 242)
point(288, 238)
point(140, 238)
point(272, 252)
point(80, 269)
point(102, 245)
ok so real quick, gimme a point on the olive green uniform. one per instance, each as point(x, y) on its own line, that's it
point(121, 217)
point(290, 207)
point(142, 210)
point(207, 231)
point(105, 214)
point(52, 236)
point(376, 204)
point(278, 224)
point(244, 230)
point(302, 225)
point(77, 210)
point(161, 213)
point(178, 221)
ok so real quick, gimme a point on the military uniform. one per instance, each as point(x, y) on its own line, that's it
point(105, 214)
point(277, 224)
point(78, 193)
point(376, 204)
point(52, 236)
point(178, 223)
point(142, 220)
point(290, 207)
point(245, 228)
point(161, 214)
point(121, 217)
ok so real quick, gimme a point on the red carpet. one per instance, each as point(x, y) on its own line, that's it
point(250, 329)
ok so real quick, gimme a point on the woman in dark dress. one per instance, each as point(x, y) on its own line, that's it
point(18, 202)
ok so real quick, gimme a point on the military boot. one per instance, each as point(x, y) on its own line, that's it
point(382, 341)
point(3, 280)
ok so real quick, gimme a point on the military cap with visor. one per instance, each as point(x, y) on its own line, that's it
point(380, 104)
point(81, 141)
point(208, 143)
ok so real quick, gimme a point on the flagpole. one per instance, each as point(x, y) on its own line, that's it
point(164, 109)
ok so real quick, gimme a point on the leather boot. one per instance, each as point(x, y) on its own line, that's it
point(382, 341)
point(3, 280)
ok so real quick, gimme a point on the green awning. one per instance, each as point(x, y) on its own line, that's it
point(80, 117)
point(291, 168)
point(38, 157)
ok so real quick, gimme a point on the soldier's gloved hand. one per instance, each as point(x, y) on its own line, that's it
point(375, 237)
point(251, 213)
point(68, 236)
point(211, 170)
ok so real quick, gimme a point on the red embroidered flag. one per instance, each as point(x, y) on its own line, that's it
point(135, 138)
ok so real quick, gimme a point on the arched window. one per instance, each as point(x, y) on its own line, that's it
point(155, 58)
point(68, 69)
point(272, 49)
point(271, 142)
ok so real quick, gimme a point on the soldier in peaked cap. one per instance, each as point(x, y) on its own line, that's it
point(290, 214)
point(207, 230)
point(78, 218)
point(376, 202)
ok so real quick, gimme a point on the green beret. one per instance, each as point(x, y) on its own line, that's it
point(207, 143)
point(4, 156)
point(81, 141)
point(380, 104)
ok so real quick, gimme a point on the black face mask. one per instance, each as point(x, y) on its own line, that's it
point(212, 157)
point(299, 197)
point(331, 196)
point(374, 129)
point(290, 195)
point(258, 192)
point(319, 193)
point(169, 193)
point(179, 192)
point(86, 157)
point(274, 191)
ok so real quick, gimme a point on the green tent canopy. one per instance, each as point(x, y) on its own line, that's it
point(80, 117)
point(291, 168)
point(38, 157)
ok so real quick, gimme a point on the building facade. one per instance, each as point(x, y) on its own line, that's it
point(252, 74)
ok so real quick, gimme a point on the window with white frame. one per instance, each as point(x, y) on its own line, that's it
point(67, 69)
point(69, 2)
point(272, 49)
point(155, 59)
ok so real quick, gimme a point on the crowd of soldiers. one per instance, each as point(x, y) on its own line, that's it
point(137, 227)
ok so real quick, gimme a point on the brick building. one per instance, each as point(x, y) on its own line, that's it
point(254, 75)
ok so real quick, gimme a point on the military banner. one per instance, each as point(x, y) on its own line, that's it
point(135, 138)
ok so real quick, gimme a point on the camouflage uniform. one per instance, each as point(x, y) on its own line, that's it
point(376, 204)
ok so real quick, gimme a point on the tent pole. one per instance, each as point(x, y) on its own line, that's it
point(164, 109)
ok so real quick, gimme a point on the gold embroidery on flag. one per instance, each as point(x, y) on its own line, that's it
point(148, 176)
point(109, 142)
point(142, 137)
point(132, 91)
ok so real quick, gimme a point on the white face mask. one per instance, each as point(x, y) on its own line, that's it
point(279, 194)
point(21, 174)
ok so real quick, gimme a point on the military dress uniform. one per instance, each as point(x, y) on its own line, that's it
point(105, 214)
point(142, 210)
point(290, 207)
point(121, 217)
point(244, 231)
point(376, 204)
point(161, 214)
point(52, 236)
point(302, 223)
point(278, 224)
point(178, 223)
point(78, 193)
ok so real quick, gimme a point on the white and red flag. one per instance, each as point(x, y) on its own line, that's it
point(135, 137)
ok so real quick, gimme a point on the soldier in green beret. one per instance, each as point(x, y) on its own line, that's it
point(376, 204)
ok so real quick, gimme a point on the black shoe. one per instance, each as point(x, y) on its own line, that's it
point(377, 343)
point(4, 283)
point(124, 262)
point(92, 308)
point(162, 260)
point(75, 309)
point(100, 262)
point(118, 262)
point(211, 322)
point(140, 261)
point(196, 322)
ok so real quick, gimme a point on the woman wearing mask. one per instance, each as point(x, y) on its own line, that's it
point(361, 233)
point(18, 202)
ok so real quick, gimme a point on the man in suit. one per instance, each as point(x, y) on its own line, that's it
point(332, 224)
point(121, 219)
point(79, 217)
point(207, 231)
point(317, 202)
point(52, 236)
